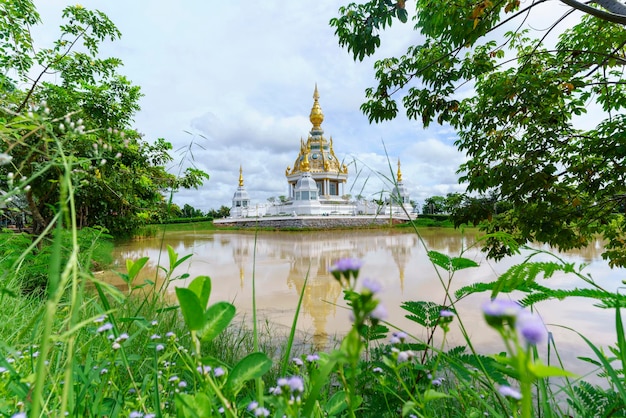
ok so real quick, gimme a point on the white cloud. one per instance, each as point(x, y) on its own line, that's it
point(237, 78)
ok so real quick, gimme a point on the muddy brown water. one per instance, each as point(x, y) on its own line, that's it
point(281, 262)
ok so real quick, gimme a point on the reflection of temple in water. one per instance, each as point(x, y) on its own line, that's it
point(310, 256)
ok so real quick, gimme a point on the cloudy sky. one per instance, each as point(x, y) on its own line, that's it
point(235, 81)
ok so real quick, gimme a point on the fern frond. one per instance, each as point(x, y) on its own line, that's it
point(422, 312)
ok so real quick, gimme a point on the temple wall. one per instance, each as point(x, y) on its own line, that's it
point(314, 222)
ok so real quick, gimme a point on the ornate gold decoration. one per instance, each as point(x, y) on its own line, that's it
point(304, 165)
point(317, 150)
point(316, 117)
point(240, 176)
point(399, 172)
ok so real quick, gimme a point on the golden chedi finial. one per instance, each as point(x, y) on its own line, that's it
point(399, 172)
point(240, 176)
point(316, 117)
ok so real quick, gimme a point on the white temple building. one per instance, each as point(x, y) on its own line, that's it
point(317, 183)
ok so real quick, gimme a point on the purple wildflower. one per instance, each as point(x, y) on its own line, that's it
point(261, 412)
point(532, 328)
point(372, 285)
point(379, 313)
point(253, 405)
point(404, 356)
point(509, 392)
point(398, 337)
point(297, 361)
point(218, 371)
point(312, 357)
point(347, 264)
point(203, 369)
point(182, 384)
point(500, 311)
point(296, 384)
point(446, 313)
point(105, 327)
point(159, 347)
point(346, 268)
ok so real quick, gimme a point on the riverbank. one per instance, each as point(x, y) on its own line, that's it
point(297, 224)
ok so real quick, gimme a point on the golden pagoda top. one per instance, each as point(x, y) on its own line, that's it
point(316, 153)
point(399, 177)
point(240, 176)
point(316, 117)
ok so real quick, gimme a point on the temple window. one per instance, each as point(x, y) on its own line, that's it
point(333, 188)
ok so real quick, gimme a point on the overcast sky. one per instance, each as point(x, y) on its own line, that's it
point(237, 78)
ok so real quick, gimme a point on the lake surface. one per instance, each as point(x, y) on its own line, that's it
point(280, 262)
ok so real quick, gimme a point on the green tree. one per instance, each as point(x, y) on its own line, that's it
point(191, 212)
point(517, 100)
point(453, 202)
point(434, 204)
point(87, 115)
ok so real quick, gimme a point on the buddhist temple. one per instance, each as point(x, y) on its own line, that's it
point(316, 183)
point(241, 200)
point(318, 159)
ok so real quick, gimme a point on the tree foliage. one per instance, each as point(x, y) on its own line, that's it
point(540, 115)
point(86, 115)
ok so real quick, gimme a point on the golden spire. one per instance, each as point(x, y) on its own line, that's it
point(240, 176)
point(399, 172)
point(316, 117)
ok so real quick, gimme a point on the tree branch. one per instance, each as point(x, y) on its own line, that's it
point(601, 14)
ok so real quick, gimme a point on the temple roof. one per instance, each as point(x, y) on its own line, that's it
point(316, 154)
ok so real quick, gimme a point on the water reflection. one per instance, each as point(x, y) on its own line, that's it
point(283, 263)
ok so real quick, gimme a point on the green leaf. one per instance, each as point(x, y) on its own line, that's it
point(135, 267)
point(449, 263)
point(540, 370)
point(193, 313)
point(431, 395)
point(201, 286)
point(408, 407)
point(216, 319)
point(196, 406)
point(460, 263)
point(621, 341)
point(252, 366)
point(173, 256)
point(336, 404)
point(403, 15)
